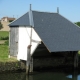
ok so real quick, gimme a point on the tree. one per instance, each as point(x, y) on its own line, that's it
point(10, 20)
point(1, 26)
point(77, 23)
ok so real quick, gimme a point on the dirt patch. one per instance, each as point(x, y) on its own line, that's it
point(2, 41)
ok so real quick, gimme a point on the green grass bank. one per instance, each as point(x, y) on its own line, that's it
point(6, 64)
point(4, 34)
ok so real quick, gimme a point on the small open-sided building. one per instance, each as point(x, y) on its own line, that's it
point(52, 29)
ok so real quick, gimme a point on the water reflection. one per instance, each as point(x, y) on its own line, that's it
point(74, 76)
point(41, 76)
point(69, 76)
point(29, 77)
point(46, 76)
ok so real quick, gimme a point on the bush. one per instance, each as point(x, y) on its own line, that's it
point(4, 38)
point(77, 23)
point(10, 20)
point(7, 42)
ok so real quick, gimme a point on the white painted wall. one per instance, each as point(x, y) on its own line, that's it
point(6, 19)
point(24, 41)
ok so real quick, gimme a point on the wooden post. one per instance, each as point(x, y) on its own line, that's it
point(31, 65)
point(75, 59)
point(28, 59)
point(29, 62)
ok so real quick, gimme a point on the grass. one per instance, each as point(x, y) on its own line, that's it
point(78, 52)
point(4, 51)
point(4, 34)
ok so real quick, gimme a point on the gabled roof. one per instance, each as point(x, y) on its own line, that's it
point(22, 21)
point(56, 32)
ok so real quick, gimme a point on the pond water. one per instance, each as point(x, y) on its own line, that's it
point(49, 75)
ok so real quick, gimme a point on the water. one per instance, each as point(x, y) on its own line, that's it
point(51, 75)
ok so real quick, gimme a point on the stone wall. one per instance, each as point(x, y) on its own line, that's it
point(10, 66)
point(48, 61)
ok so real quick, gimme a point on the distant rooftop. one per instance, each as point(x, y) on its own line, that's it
point(8, 18)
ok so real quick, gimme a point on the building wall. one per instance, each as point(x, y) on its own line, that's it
point(6, 19)
point(13, 41)
point(5, 26)
point(24, 41)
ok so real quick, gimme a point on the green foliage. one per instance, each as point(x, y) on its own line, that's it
point(4, 38)
point(1, 26)
point(10, 20)
point(77, 23)
point(4, 49)
point(4, 52)
point(4, 34)
point(7, 42)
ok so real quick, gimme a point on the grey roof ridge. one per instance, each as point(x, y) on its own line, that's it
point(69, 21)
point(17, 18)
point(44, 11)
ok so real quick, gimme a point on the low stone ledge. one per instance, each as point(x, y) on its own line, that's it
point(10, 66)
point(38, 63)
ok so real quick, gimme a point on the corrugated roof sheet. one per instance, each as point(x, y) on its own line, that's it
point(22, 21)
point(56, 32)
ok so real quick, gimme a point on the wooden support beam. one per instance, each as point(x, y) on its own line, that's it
point(28, 59)
point(75, 59)
point(29, 62)
point(31, 65)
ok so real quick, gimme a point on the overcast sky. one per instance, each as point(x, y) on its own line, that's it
point(68, 8)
